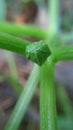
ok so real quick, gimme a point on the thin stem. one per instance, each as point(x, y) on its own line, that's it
point(11, 64)
point(27, 30)
point(47, 98)
point(63, 53)
point(54, 15)
point(24, 100)
point(53, 9)
point(47, 92)
point(12, 43)
point(2, 10)
point(35, 52)
point(13, 79)
point(23, 30)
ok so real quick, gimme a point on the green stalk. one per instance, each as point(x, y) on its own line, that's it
point(53, 11)
point(24, 100)
point(11, 64)
point(31, 51)
point(12, 43)
point(27, 30)
point(47, 93)
point(13, 78)
point(47, 98)
point(54, 15)
point(23, 30)
point(63, 53)
point(2, 10)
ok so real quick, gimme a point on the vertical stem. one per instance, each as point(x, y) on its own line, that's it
point(54, 15)
point(12, 65)
point(47, 98)
point(24, 100)
point(47, 93)
point(48, 119)
point(2, 10)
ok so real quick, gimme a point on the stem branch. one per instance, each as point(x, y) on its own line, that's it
point(24, 100)
point(63, 53)
point(23, 30)
point(12, 43)
point(54, 15)
point(47, 98)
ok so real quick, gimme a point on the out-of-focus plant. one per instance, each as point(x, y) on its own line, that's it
point(2, 10)
point(45, 54)
point(65, 102)
point(67, 22)
point(10, 59)
point(65, 119)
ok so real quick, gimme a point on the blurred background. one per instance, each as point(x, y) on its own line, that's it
point(15, 69)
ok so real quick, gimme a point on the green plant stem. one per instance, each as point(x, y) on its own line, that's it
point(53, 9)
point(27, 30)
point(24, 100)
point(31, 51)
point(2, 10)
point(63, 53)
point(47, 93)
point(47, 98)
point(11, 64)
point(54, 15)
point(12, 43)
point(23, 30)
point(13, 78)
